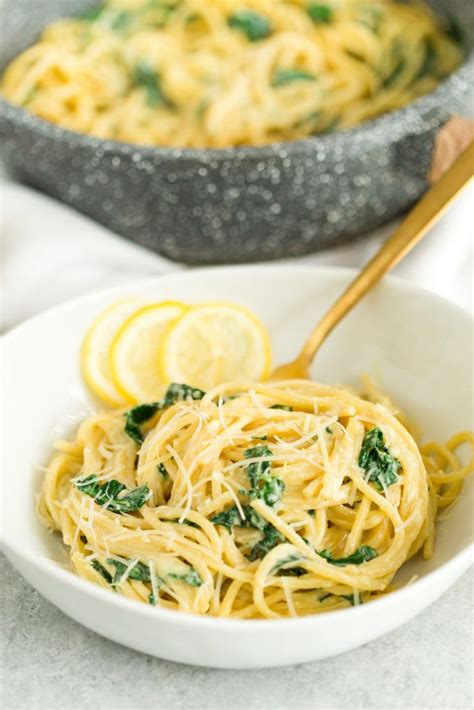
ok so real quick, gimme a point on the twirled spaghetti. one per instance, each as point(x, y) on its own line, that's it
point(205, 73)
point(286, 498)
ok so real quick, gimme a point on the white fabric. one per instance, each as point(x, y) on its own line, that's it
point(51, 253)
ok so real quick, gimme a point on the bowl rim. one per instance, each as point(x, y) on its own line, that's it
point(404, 119)
point(49, 567)
point(461, 560)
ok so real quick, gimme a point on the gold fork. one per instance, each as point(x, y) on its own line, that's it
point(413, 228)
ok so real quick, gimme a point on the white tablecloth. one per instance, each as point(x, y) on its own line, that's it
point(51, 253)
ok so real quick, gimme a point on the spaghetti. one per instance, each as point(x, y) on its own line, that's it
point(281, 499)
point(217, 73)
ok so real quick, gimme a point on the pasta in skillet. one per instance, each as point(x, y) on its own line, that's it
point(217, 73)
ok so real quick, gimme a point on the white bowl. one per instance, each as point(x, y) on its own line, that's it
point(417, 345)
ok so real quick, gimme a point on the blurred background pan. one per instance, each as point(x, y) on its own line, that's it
point(235, 204)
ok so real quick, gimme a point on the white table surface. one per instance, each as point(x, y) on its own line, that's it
point(49, 661)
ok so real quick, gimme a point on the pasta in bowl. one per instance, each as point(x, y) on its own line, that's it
point(395, 336)
point(255, 501)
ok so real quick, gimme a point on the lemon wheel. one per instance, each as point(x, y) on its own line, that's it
point(215, 343)
point(95, 352)
point(135, 352)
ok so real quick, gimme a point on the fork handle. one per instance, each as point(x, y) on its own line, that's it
point(413, 228)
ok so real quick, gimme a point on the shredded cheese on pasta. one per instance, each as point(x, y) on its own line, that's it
point(286, 523)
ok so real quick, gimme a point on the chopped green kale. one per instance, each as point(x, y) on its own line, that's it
point(320, 14)
point(253, 25)
point(163, 472)
point(263, 485)
point(456, 30)
point(146, 77)
point(295, 571)
point(138, 415)
point(139, 572)
point(178, 391)
point(271, 538)
point(143, 412)
point(228, 518)
point(184, 522)
point(377, 461)
point(192, 577)
point(364, 553)
point(391, 78)
point(95, 564)
point(428, 65)
point(107, 494)
point(270, 535)
point(324, 597)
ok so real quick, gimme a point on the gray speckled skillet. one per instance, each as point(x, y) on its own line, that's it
point(237, 204)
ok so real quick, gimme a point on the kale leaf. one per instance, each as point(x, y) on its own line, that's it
point(163, 472)
point(428, 65)
point(138, 415)
point(145, 76)
point(290, 571)
point(364, 553)
point(95, 564)
point(320, 14)
point(143, 412)
point(107, 494)
point(324, 597)
point(394, 74)
point(253, 25)
point(192, 577)
point(263, 485)
point(271, 538)
point(184, 522)
point(456, 30)
point(377, 461)
point(140, 571)
point(270, 535)
point(121, 20)
point(228, 518)
point(178, 391)
point(398, 63)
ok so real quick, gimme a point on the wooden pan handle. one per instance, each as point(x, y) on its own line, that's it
point(452, 139)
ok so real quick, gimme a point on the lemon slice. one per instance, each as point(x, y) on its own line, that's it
point(215, 343)
point(135, 351)
point(95, 353)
